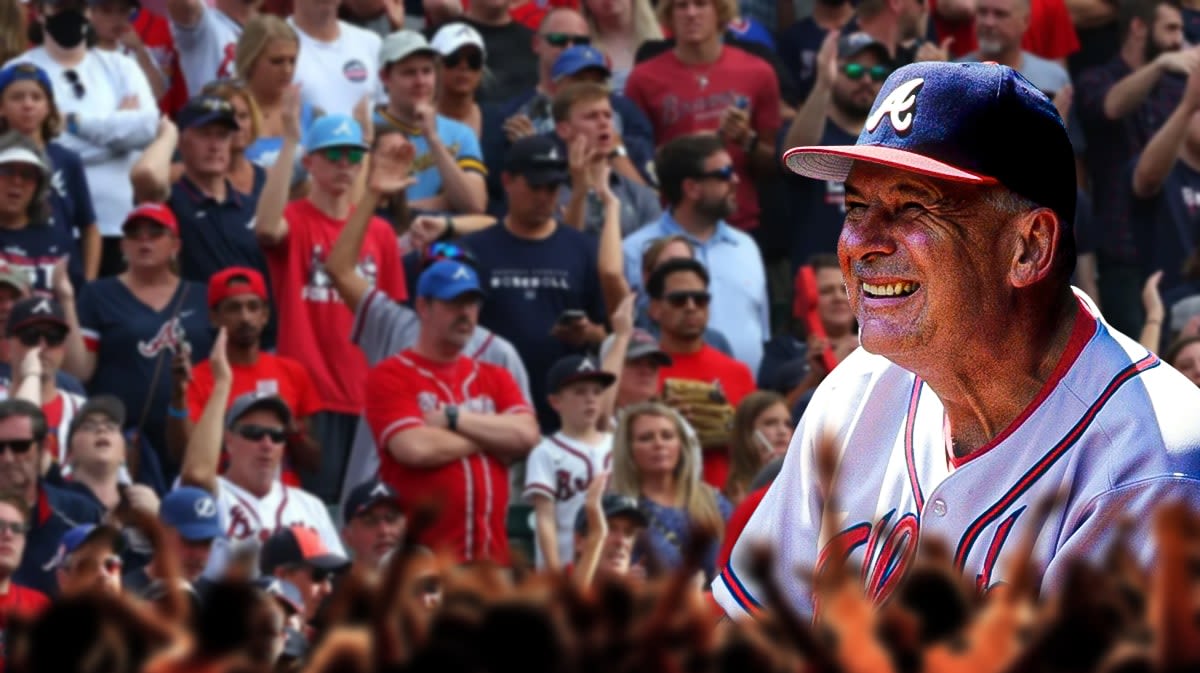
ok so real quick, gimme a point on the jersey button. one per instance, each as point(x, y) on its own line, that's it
point(939, 507)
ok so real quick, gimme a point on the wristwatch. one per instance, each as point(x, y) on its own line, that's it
point(451, 417)
point(621, 151)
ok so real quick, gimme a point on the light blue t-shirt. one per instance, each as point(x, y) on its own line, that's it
point(456, 136)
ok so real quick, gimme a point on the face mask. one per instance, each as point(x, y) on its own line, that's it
point(67, 28)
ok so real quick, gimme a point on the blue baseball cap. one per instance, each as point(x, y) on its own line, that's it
point(975, 123)
point(576, 59)
point(333, 131)
point(204, 110)
point(447, 280)
point(80, 535)
point(192, 512)
point(20, 71)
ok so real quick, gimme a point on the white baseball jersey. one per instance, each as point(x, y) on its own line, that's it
point(1113, 426)
point(561, 468)
point(246, 518)
point(206, 50)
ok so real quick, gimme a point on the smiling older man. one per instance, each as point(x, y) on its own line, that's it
point(985, 385)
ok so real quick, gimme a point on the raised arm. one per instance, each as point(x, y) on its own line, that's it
point(1161, 153)
point(1128, 93)
point(465, 191)
point(269, 225)
point(810, 120)
point(203, 454)
point(610, 263)
point(151, 174)
point(614, 360)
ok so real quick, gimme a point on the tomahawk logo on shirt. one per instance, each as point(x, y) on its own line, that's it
point(169, 337)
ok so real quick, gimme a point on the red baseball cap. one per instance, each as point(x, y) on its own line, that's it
point(233, 281)
point(155, 212)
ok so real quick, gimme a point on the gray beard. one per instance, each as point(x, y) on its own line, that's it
point(990, 48)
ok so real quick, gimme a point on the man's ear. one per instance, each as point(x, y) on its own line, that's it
point(1038, 240)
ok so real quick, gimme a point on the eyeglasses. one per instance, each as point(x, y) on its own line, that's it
point(473, 58)
point(353, 155)
point(13, 527)
point(681, 298)
point(76, 83)
point(32, 336)
point(255, 433)
point(144, 230)
point(878, 73)
point(559, 40)
point(98, 426)
point(724, 173)
point(17, 446)
point(25, 172)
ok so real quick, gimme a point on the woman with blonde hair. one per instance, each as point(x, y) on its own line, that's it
point(618, 28)
point(265, 59)
point(762, 430)
point(656, 459)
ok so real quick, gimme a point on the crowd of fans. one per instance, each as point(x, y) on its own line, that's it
point(309, 293)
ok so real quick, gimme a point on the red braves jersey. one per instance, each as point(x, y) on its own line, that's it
point(473, 491)
point(680, 99)
point(316, 325)
point(1112, 427)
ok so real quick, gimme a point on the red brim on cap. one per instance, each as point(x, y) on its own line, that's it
point(833, 163)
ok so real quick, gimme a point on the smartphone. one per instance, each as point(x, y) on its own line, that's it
point(765, 445)
point(571, 315)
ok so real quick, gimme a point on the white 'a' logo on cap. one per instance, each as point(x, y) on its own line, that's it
point(461, 273)
point(553, 154)
point(343, 129)
point(898, 106)
point(380, 489)
point(585, 366)
point(42, 306)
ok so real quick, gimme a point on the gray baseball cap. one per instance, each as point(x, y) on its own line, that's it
point(248, 402)
point(402, 44)
point(642, 344)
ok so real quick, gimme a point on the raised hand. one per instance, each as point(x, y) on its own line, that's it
point(289, 113)
point(391, 165)
point(426, 116)
point(622, 318)
point(364, 115)
point(517, 127)
point(425, 230)
point(218, 360)
point(827, 62)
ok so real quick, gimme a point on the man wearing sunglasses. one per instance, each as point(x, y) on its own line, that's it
point(16, 600)
point(850, 70)
point(298, 555)
point(448, 166)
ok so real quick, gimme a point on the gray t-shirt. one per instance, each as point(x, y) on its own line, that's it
point(639, 206)
point(1042, 73)
point(383, 328)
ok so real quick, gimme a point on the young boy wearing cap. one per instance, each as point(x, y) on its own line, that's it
point(297, 240)
point(563, 465)
point(238, 302)
point(28, 241)
point(449, 163)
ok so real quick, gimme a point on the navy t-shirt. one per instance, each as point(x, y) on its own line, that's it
point(216, 235)
point(1170, 224)
point(70, 203)
point(35, 249)
point(129, 338)
point(817, 207)
point(56, 512)
point(529, 284)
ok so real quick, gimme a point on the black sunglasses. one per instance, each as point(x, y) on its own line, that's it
point(878, 73)
point(473, 58)
point(32, 336)
point(17, 446)
point(76, 83)
point(724, 173)
point(681, 298)
point(255, 433)
point(563, 39)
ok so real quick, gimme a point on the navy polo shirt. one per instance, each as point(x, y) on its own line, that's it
point(56, 512)
point(216, 235)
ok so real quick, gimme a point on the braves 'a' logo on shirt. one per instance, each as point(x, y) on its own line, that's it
point(169, 336)
point(225, 69)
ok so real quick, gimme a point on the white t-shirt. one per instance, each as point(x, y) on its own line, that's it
point(206, 49)
point(561, 469)
point(334, 76)
point(108, 140)
point(247, 519)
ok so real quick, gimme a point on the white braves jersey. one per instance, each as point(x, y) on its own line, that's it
point(246, 518)
point(561, 468)
point(1114, 427)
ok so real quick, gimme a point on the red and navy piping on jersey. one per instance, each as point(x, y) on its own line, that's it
point(910, 424)
point(1060, 449)
point(984, 579)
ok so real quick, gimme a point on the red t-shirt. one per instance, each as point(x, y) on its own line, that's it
point(711, 365)
point(680, 99)
point(155, 32)
point(472, 491)
point(737, 523)
point(20, 602)
point(314, 323)
point(532, 12)
point(1050, 34)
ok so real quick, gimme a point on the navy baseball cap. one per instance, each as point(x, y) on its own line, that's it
point(447, 280)
point(35, 310)
point(80, 535)
point(573, 369)
point(298, 545)
point(366, 495)
point(20, 71)
point(576, 59)
point(975, 123)
point(333, 131)
point(192, 512)
point(247, 402)
point(613, 504)
point(204, 110)
point(538, 159)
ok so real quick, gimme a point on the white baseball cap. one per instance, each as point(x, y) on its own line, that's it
point(20, 155)
point(454, 36)
point(402, 44)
